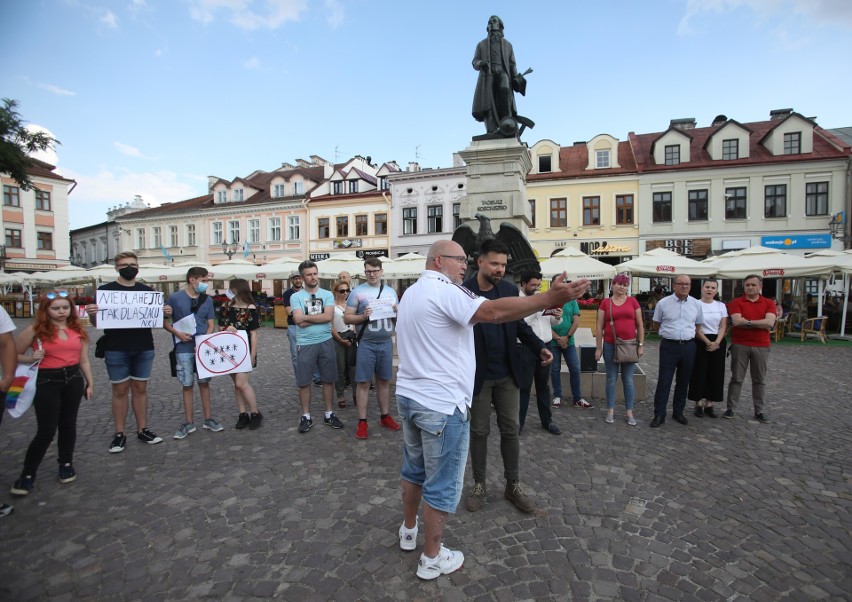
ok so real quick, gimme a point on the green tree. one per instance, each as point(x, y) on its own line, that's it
point(18, 143)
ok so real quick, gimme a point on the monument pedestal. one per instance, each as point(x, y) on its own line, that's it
point(496, 176)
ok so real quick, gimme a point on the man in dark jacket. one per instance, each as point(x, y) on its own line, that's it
point(498, 375)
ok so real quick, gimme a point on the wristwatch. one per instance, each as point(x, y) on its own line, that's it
point(749, 323)
point(641, 344)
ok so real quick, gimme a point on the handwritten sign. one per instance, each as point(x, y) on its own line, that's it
point(129, 309)
point(382, 309)
point(222, 353)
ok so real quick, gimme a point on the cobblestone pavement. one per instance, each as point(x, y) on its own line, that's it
point(718, 509)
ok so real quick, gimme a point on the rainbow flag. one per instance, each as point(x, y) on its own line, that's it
point(16, 388)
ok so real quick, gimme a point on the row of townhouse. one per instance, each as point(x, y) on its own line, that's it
point(697, 190)
point(35, 221)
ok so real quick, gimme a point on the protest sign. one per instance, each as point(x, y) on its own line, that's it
point(222, 353)
point(129, 309)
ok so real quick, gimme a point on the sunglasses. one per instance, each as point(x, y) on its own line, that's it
point(54, 294)
point(342, 290)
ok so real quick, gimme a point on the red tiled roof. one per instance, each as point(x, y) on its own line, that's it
point(44, 170)
point(573, 161)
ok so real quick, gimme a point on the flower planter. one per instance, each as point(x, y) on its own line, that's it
point(589, 319)
point(280, 316)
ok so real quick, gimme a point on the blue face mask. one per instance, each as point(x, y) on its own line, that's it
point(200, 287)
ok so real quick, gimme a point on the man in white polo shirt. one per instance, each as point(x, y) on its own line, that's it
point(434, 391)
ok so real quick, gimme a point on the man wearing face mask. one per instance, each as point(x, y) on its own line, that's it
point(128, 355)
point(192, 300)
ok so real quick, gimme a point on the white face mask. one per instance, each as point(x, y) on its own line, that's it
point(230, 295)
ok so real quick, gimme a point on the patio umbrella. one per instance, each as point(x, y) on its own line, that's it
point(67, 274)
point(410, 265)
point(173, 273)
point(577, 265)
point(235, 268)
point(769, 263)
point(663, 262)
point(277, 269)
point(341, 262)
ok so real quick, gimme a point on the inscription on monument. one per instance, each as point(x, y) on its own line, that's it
point(492, 205)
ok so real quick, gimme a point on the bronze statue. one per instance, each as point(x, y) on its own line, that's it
point(521, 254)
point(494, 98)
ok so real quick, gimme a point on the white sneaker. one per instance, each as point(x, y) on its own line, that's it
point(557, 401)
point(446, 562)
point(408, 537)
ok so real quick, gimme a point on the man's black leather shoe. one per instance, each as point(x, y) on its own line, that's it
point(680, 418)
point(657, 421)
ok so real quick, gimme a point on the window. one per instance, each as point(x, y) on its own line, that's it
point(11, 196)
point(233, 231)
point(793, 143)
point(278, 190)
point(156, 237)
point(816, 198)
point(217, 237)
point(673, 154)
point(190, 235)
point(409, 220)
point(353, 186)
point(532, 212)
point(42, 199)
point(435, 213)
point(730, 149)
point(558, 213)
point(342, 222)
point(381, 224)
point(222, 196)
point(735, 203)
point(662, 207)
point(140, 238)
point(294, 227)
point(45, 241)
point(253, 230)
point(544, 164)
point(323, 229)
point(273, 225)
point(238, 196)
point(697, 205)
point(383, 183)
point(602, 159)
point(337, 188)
point(173, 236)
point(13, 238)
point(775, 201)
point(591, 210)
point(360, 225)
point(298, 187)
point(623, 209)
point(456, 215)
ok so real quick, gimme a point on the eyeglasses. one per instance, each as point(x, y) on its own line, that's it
point(343, 291)
point(682, 283)
point(372, 271)
point(459, 258)
point(54, 294)
point(121, 266)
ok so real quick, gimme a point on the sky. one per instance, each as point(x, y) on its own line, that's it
point(150, 97)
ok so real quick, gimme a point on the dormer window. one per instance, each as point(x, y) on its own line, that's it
point(602, 159)
point(337, 188)
point(222, 196)
point(278, 191)
point(298, 187)
point(544, 165)
point(730, 149)
point(673, 154)
point(238, 194)
point(353, 186)
point(383, 183)
point(793, 143)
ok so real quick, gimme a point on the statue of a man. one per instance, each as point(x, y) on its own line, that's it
point(494, 99)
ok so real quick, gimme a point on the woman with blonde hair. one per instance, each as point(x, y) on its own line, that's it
point(58, 340)
point(240, 313)
point(344, 338)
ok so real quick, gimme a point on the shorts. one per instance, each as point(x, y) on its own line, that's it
point(186, 370)
point(434, 452)
point(128, 365)
point(319, 357)
point(374, 358)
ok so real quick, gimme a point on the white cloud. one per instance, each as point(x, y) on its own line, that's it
point(824, 12)
point(274, 13)
point(118, 185)
point(130, 151)
point(137, 6)
point(56, 90)
point(335, 13)
point(48, 155)
point(253, 64)
point(109, 19)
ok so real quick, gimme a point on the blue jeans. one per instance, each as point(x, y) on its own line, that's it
point(434, 452)
point(573, 362)
point(612, 377)
point(294, 347)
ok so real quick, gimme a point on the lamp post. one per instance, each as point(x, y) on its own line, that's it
point(230, 249)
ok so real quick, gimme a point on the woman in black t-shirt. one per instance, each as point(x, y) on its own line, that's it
point(240, 313)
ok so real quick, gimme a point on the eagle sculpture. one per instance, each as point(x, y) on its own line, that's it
point(521, 255)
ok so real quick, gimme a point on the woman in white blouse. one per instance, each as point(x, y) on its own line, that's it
point(707, 383)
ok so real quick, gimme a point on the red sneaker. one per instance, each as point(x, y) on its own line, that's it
point(389, 423)
point(361, 433)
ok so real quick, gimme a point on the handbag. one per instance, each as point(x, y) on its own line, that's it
point(100, 347)
point(352, 350)
point(626, 351)
point(21, 392)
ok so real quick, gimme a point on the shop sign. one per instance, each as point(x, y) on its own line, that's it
point(319, 256)
point(603, 248)
point(372, 253)
point(699, 247)
point(797, 241)
point(347, 243)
